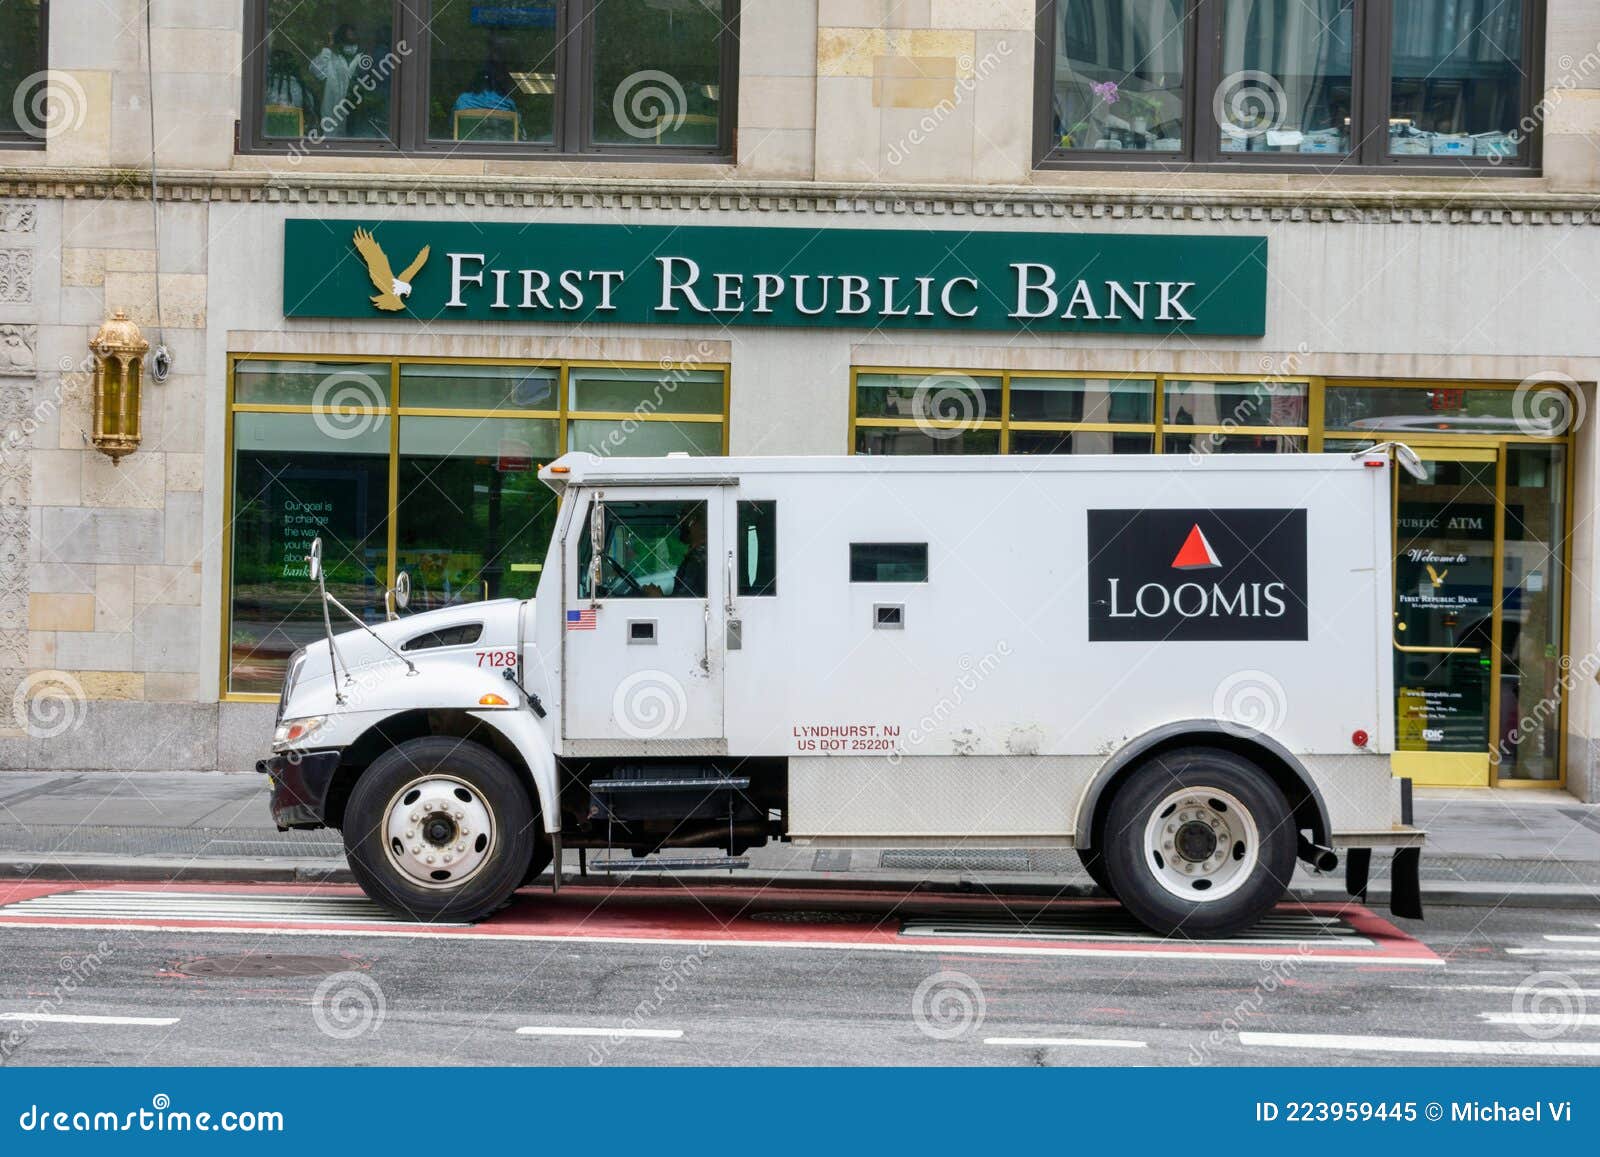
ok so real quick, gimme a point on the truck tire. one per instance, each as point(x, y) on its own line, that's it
point(1200, 844)
point(440, 828)
point(1094, 862)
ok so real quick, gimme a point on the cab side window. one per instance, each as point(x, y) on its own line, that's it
point(650, 549)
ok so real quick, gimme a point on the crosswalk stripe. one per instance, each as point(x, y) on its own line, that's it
point(1406, 1044)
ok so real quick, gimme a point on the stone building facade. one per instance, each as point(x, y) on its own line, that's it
point(122, 641)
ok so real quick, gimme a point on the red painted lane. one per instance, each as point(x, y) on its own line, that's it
point(726, 915)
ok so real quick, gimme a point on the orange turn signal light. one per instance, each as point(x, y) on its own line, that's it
point(561, 469)
point(492, 700)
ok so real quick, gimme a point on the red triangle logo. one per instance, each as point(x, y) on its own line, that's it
point(1196, 553)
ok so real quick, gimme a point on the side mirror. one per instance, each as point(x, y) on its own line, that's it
point(1407, 457)
point(314, 560)
point(402, 590)
point(597, 545)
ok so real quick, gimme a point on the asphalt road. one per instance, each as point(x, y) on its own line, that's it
point(1506, 993)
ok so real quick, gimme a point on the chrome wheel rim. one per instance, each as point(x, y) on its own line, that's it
point(1201, 844)
point(439, 831)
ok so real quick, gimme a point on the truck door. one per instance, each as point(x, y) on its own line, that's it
point(643, 616)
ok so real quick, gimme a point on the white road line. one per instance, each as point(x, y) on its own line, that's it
point(1488, 989)
point(1544, 1019)
point(567, 1030)
point(1064, 1042)
point(63, 1018)
point(1407, 1044)
point(1573, 939)
point(1584, 952)
point(943, 947)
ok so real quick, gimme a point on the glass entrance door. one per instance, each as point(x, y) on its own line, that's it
point(1447, 631)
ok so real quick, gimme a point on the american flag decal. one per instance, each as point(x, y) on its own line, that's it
point(581, 620)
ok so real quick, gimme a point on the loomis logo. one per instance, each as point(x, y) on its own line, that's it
point(1188, 575)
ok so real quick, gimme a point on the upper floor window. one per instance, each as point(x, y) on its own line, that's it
point(1431, 85)
point(536, 77)
point(32, 105)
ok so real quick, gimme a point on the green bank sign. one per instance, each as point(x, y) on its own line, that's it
point(924, 279)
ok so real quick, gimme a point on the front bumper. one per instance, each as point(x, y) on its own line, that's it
point(300, 782)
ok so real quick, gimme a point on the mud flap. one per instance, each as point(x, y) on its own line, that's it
point(1405, 884)
point(1357, 867)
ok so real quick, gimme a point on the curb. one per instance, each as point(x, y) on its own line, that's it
point(1443, 893)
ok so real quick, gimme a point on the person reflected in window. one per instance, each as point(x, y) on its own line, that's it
point(337, 66)
point(690, 580)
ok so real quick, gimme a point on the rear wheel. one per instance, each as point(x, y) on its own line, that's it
point(1199, 843)
point(440, 829)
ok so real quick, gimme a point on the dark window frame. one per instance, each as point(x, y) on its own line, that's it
point(19, 138)
point(925, 561)
point(1372, 33)
point(409, 98)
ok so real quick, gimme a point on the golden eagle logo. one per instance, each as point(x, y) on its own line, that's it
point(392, 290)
point(1436, 576)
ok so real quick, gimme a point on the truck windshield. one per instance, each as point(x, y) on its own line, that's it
point(653, 549)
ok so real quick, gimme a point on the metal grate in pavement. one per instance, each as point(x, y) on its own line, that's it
point(135, 904)
point(51, 839)
point(1277, 928)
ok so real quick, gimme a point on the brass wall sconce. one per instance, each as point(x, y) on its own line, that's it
point(119, 350)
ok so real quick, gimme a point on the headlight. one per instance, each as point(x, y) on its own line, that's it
point(296, 661)
point(295, 732)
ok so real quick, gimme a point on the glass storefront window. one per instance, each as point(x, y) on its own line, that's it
point(936, 397)
point(1103, 400)
point(1533, 679)
point(657, 72)
point(624, 391)
point(22, 60)
point(425, 385)
point(1456, 81)
point(296, 477)
point(1119, 75)
point(1232, 404)
point(464, 445)
point(492, 72)
point(1218, 443)
point(1287, 72)
point(1080, 442)
point(473, 519)
point(896, 440)
point(328, 70)
point(323, 385)
point(1432, 408)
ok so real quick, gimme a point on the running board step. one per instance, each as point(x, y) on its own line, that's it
point(687, 863)
point(701, 783)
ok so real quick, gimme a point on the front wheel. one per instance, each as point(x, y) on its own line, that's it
point(440, 829)
point(1200, 843)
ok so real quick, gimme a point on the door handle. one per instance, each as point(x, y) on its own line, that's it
point(1403, 649)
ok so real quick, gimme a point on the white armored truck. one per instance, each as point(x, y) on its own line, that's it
point(1182, 669)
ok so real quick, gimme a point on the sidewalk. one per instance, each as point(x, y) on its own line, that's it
point(1521, 847)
